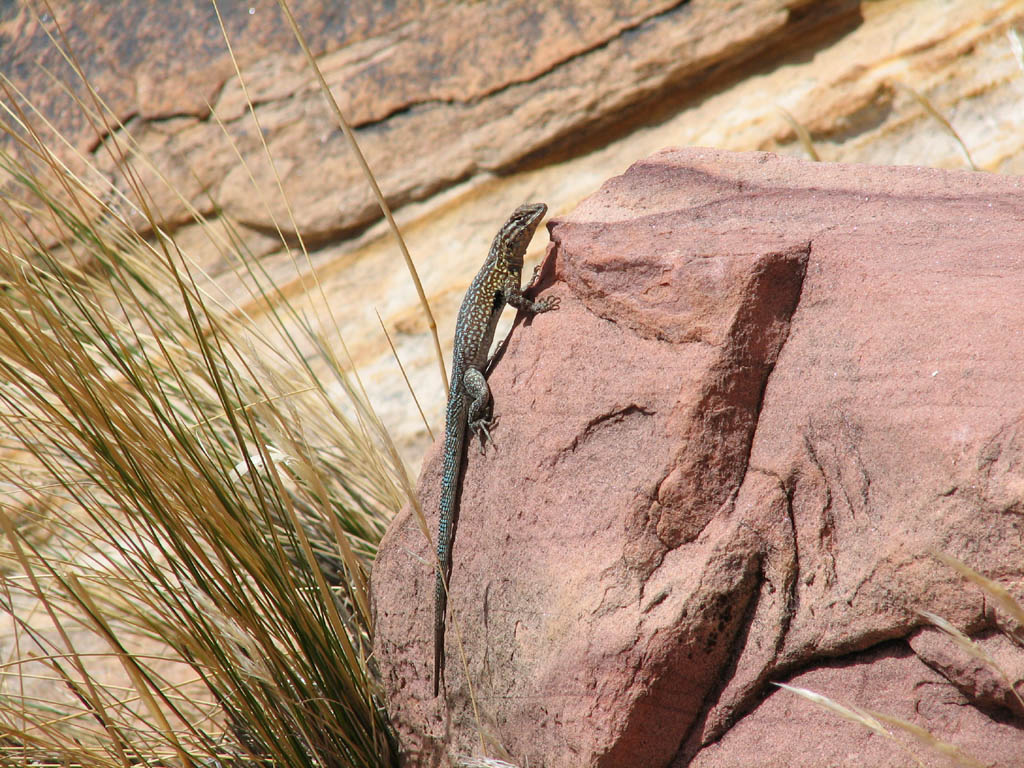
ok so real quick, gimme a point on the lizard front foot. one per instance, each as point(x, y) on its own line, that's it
point(546, 304)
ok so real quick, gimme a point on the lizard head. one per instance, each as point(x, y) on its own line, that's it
point(515, 235)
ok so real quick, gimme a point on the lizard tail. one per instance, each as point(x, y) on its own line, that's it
point(444, 569)
point(440, 607)
point(455, 426)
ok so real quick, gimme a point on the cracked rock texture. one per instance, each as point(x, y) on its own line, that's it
point(434, 105)
point(772, 388)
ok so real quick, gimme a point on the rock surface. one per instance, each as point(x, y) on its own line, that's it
point(772, 389)
point(787, 732)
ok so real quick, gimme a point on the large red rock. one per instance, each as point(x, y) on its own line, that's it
point(771, 389)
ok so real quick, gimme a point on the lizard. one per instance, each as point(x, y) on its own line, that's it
point(496, 284)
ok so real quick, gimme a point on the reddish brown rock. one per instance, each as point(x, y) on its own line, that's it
point(986, 684)
point(788, 732)
point(160, 61)
point(772, 387)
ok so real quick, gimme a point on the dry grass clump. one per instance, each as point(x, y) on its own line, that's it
point(190, 505)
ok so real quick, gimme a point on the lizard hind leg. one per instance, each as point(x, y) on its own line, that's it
point(480, 423)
